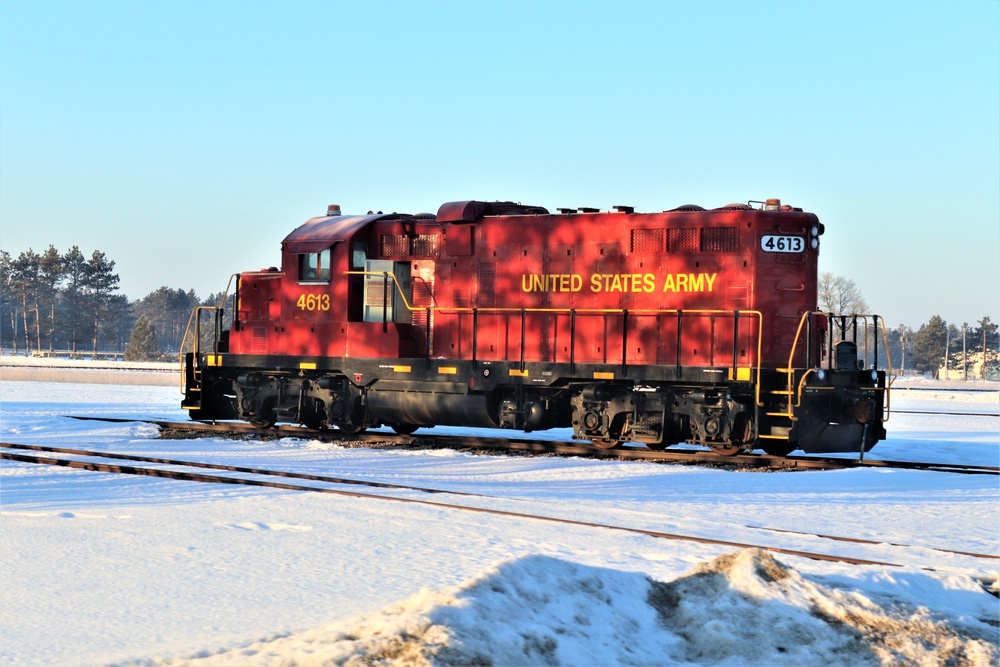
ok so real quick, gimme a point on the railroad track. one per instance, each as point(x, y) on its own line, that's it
point(553, 447)
point(949, 414)
point(958, 390)
point(197, 464)
point(182, 475)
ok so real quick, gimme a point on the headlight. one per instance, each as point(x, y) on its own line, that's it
point(814, 243)
point(874, 376)
point(814, 230)
point(821, 374)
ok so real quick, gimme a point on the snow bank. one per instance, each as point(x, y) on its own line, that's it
point(88, 371)
point(747, 608)
point(744, 608)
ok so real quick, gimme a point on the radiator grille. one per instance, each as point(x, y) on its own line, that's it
point(737, 295)
point(258, 339)
point(682, 240)
point(394, 245)
point(426, 245)
point(487, 285)
point(402, 245)
point(718, 239)
point(646, 241)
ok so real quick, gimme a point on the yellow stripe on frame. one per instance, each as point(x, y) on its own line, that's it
point(308, 365)
point(401, 369)
point(514, 373)
point(604, 376)
point(742, 374)
point(448, 370)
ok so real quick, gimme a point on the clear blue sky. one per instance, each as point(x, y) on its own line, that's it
point(186, 139)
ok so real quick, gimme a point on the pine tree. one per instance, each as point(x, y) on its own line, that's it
point(984, 337)
point(74, 300)
point(929, 345)
point(169, 309)
point(50, 276)
point(100, 285)
point(142, 346)
point(8, 300)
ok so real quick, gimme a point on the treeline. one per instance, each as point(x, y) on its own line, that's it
point(935, 348)
point(56, 301)
point(66, 301)
point(941, 350)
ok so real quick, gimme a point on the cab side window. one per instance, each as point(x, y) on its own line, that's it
point(314, 267)
point(359, 253)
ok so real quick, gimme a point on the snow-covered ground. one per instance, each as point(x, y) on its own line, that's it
point(99, 569)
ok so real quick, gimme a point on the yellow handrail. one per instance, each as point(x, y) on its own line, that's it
point(886, 410)
point(196, 312)
point(585, 311)
point(801, 384)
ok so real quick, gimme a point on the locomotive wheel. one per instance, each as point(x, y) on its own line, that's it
point(351, 429)
point(265, 417)
point(313, 415)
point(404, 429)
point(605, 444)
point(726, 449)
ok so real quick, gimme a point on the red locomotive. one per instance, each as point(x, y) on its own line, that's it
point(689, 325)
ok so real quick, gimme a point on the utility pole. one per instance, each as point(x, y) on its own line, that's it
point(947, 344)
point(903, 340)
point(982, 370)
point(965, 362)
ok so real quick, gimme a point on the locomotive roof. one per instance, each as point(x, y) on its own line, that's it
point(320, 233)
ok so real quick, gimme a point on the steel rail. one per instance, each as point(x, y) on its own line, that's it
point(337, 480)
point(685, 456)
point(961, 468)
point(569, 449)
point(231, 468)
point(949, 414)
point(861, 540)
point(949, 389)
point(217, 479)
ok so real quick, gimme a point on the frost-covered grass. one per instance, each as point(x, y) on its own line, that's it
point(102, 569)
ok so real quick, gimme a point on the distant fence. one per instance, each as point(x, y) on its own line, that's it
point(107, 370)
point(70, 354)
point(992, 374)
point(117, 376)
